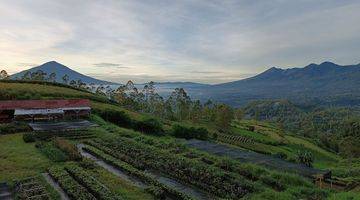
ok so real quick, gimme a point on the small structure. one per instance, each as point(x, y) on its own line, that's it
point(43, 109)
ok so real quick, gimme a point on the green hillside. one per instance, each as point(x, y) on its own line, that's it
point(144, 148)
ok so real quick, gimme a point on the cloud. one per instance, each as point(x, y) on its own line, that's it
point(205, 72)
point(28, 64)
point(225, 38)
point(110, 65)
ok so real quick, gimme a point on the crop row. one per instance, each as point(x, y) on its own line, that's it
point(95, 187)
point(206, 177)
point(135, 172)
point(31, 188)
point(32, 137)
point(273, 179)
point(72, 188)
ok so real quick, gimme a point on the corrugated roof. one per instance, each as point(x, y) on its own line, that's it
point(43, 104)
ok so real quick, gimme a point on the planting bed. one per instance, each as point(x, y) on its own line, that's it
point(170, 187)
point(72, 188)
point(256, 158)
point(198, 174)
point(31, 188)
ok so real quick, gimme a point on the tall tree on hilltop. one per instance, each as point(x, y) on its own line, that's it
point(26, 76)
point(65, 79)
point(4, 75)
point(52, 77)
point(39, 75)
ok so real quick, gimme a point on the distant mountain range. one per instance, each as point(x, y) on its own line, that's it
point(60, 71)
point(326, 84)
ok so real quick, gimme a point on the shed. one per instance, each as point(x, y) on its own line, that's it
point(43, 109)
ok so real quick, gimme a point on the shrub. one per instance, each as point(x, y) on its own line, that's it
point(14, 127)
point(53, 153)
point(29, 137)
point(305, 157)
point(158, 192)
point(180, 131)
point(251, 128)
point(149, 125)
point(86, 163)
point(119, 118)
point(68, 148)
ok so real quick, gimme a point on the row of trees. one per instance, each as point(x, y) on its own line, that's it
point(177, 106)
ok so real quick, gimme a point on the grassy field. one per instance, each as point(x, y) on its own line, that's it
point(37, 91)
point(20, 159)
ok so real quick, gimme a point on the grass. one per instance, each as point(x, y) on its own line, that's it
point(20, 159)
point(119, 186)
point(270, 140)
point(36, 91)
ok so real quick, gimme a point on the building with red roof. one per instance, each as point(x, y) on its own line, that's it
point(43, 109)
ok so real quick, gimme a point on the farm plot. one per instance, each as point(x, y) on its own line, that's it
point(31, 188)
point(158, 185)
point(256, 158)
point(198, 174)
point(78, 184)
point(61, 126)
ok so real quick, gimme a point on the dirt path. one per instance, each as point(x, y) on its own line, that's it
point(5, 192)
point(56, 186)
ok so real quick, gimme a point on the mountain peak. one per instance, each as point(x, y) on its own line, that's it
point(60, 70)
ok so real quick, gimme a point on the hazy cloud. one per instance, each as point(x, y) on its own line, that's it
point(205, 72)
point(110, 65)
point(165, 39)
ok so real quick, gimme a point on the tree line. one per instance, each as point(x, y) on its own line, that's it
point(178, 106)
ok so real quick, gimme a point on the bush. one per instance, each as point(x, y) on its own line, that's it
point(68, 148)
point(180, 131)
point(150, 126)
point(119, 118)
point(29, 137)
point(53, 153)
point(305, 157)
point(13, 127)
point(158, 192)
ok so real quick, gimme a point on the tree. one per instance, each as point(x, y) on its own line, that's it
point(305, 157)
point(39, 75)
point(120, 95)
point(80, 84)
point(73, 83)
point(196, 111)
point(109, 92)
point(26, 76)
point(52, 77)
point(349, 147)
point(4, 75)
point(224, 116)
point(239, 114)
point(180, 103)
point(65, 79)
point(100, 89)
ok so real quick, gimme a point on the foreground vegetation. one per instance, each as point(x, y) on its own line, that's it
point(140, 144)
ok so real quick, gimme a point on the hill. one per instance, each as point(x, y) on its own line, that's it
point(60, 71)
point(316, 84)
point(326, 83)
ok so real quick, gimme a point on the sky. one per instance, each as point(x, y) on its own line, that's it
point(177, 40)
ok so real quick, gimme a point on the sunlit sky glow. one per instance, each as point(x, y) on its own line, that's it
point(185, 40)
